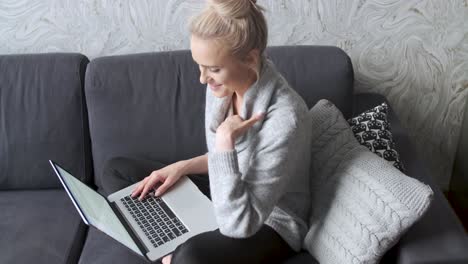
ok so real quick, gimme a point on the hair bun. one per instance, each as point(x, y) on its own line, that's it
point(233, 9)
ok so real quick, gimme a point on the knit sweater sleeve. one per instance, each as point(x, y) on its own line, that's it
point(242, 203)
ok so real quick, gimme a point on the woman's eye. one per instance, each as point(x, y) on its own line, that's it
point(214, 70)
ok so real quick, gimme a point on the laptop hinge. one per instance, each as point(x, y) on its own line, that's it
point(130, 231)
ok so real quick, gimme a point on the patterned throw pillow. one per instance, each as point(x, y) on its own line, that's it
point(372, 129)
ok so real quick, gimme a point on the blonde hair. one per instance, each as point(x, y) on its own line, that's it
point(238, 24)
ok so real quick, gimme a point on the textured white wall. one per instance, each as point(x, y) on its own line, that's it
point(415, 52)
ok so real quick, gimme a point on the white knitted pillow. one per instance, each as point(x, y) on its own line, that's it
point(361, 204)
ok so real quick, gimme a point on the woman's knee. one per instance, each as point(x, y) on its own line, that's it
point(192, 251)
point(132, 169)
point(117, 167)
point(113, 174)
point(116, 164)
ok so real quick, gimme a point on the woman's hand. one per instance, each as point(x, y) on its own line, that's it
point(167, 175)
point(167, 259)
point(233, 127)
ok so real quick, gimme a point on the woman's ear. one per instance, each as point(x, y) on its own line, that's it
point(253, 58)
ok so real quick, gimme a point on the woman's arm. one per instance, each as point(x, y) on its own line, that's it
point(171, 174)
point(197, 165)
point(243, 201)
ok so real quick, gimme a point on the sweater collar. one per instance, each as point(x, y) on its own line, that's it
point(256, 99)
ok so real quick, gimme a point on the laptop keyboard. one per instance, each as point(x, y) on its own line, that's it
point(155, 218)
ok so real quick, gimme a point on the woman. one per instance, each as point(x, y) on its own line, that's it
point(256, 131)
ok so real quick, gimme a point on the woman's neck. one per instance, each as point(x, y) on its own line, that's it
point(238, 96)
point(236, 104)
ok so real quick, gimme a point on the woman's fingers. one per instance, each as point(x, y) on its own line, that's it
point(149, 185)
point(162, 189)
point(250, 122)
point(139, 187)
point(167, 259)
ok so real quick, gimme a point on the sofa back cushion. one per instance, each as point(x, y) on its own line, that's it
point(148, 105)
point(317, 72)
point(42, 117)
point(151, 105)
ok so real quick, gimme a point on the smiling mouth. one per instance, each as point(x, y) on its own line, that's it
point(215, 87)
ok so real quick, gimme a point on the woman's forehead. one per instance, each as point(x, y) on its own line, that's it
point(208, 52)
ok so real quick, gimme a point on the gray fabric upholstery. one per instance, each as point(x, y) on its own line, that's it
point(151, 105)
point(39, 226)
point(438, 237)
point(101, 248)
point(317, 72)
point(42, 116)
point(158, 96)
point(303, 257)
point(145, 106)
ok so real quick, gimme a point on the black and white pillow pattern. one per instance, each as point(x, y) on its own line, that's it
point(372, 129)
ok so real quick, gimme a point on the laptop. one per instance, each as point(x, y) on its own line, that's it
point(151, 228)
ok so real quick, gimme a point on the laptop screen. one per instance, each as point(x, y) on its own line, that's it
point(94, 209)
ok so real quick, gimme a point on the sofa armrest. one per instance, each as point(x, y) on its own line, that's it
point(438, 237)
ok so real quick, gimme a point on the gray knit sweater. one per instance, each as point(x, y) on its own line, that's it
point(265, 179)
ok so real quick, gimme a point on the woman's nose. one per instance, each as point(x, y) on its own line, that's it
point(203, 76)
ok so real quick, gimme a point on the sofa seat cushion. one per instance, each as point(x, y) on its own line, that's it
point(101, 248)
point(302, 257)
point(39, 226)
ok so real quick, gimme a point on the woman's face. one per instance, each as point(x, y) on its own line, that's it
point(223, 72)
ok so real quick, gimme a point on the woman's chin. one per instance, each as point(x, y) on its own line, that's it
point(220, 93)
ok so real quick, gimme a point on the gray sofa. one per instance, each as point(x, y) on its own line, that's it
point(151, 106)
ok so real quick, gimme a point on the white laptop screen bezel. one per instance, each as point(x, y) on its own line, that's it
point(75, 203)
point(133, 246)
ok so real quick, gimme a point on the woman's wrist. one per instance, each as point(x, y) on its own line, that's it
point(197, 165)
point(224, 143)
point(184, 166)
